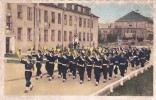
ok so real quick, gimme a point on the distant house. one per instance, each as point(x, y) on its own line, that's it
point(136, 24)
point(132, 26)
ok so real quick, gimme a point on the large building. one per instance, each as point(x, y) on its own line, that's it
point(49, 25)
point(132, 25)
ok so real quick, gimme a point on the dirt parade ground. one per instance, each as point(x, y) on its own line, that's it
point(14, 83)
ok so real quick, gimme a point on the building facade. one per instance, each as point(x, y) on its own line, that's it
point(49, 25)
point(132, 25)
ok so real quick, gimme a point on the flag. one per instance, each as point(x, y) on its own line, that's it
point(50, 22)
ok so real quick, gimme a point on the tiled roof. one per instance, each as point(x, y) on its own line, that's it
point(134, 16)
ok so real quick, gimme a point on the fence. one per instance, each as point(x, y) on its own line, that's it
point(109, 88)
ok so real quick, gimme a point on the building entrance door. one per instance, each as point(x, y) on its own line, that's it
point(7, 44)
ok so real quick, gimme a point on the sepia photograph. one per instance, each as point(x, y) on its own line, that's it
point(78, 49)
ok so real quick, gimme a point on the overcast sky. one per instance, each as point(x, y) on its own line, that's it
point(108, 13)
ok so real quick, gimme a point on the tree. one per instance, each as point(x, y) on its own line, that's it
point(100, 39)
point(111, 38)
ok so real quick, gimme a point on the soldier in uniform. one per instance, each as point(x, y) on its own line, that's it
point(52, 60)
point(89, 62)
point(111, 65)
point(28, 73)
point(39, 59)
point(142, 56)
point(137, 59)
point(104, 67)
point(97, 68)
point(64, 62)
point(70, 58)
point(47, 55)
point(122, 64)
point(116, 64)
point(148, 53)
point(80, 64)
point(132, 58)
point(59, 60)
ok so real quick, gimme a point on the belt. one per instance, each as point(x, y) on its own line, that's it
point(64, 64)
point(81, 65)
point(51, 62)
point(28, 70)
point(122, 63)
point(97, 66)
point(105, 64)
point(111, 64)
point(59, 63)
point(89, 65)
point(38, 61)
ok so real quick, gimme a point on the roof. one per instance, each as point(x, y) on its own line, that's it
point(134, 16)
point(52, 5)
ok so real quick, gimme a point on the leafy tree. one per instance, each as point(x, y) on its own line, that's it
point(111, 38)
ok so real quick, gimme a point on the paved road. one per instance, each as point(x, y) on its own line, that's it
point(14, 83)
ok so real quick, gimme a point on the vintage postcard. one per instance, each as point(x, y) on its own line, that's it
point(77, 48)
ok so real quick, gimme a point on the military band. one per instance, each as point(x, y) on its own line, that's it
point(103, 61)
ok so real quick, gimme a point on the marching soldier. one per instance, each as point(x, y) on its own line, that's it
point(64, 62)
point(111, 65)
point(132, 58)
point(142, 57)
point(105, 67)
point(52, 60)
point(148, 54)
point(39, 59)
point(89, 62)
point(122, 64)
point(97, 68)
point(80, 64)
point(137, 59)
point(116, 64)
point(47, 55)
point(59, 60)
point(70, 58)
point(28, 73)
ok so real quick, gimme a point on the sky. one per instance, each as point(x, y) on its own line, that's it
point(108, 13)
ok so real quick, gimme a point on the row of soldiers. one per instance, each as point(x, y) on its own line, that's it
point(104, 61)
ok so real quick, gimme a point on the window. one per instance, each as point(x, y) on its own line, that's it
point(53, 35)
point(59, 18)
point(84, 23)
point(53, 17)
point(19, 12)
point(9, 6)
point(8, 22)
point(80, 22)
point(39, 15)
point(29, 37)
point(79, 36)
point(29, 13)
point(70, 21)
point(84, 35)
point(70, 36)
point(45, 35)
point(65, 19)
point(59, 35)
point(65, 35)
point(19, 34)
point(87, 36)
point(88, 23)
point(91, 36)
point(45, 16)
point(39, 36)
point(91, 23)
